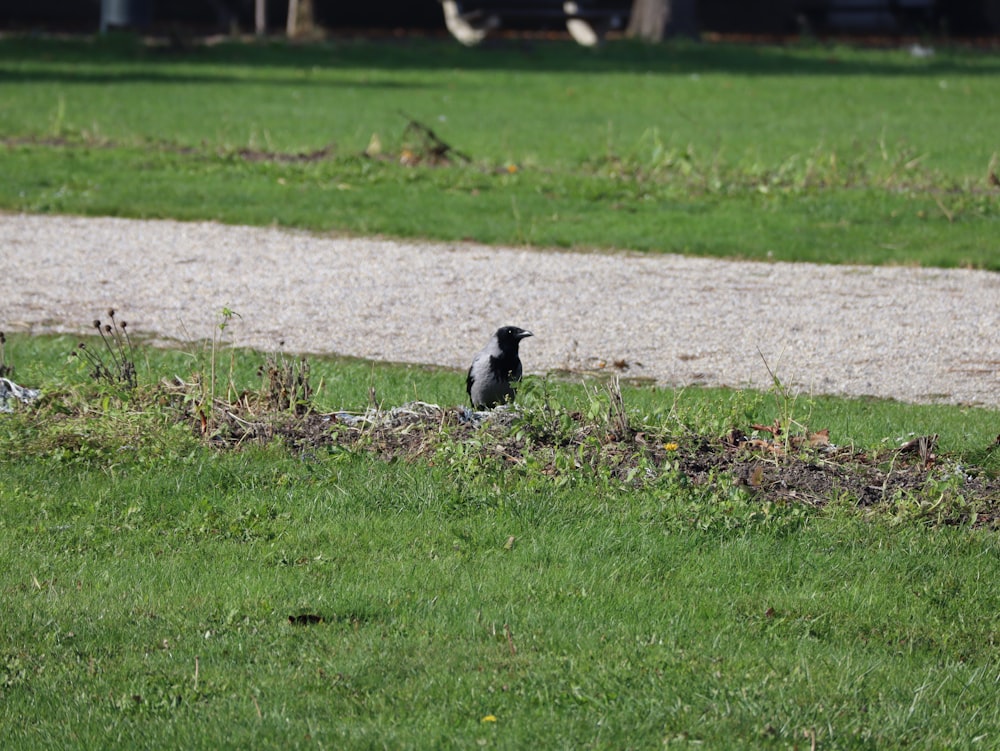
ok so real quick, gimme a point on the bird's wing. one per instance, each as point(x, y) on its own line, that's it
point(469, 380)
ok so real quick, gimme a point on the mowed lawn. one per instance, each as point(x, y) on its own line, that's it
point(804, 152)
point(162, 591)
point(159, 590)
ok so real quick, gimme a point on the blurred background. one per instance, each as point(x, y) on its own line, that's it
point(960, 18)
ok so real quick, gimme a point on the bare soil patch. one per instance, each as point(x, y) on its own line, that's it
point(772, 467)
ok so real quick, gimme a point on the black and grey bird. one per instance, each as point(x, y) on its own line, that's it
point(494, 368)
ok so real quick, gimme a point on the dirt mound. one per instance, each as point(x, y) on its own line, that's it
point(770, 465)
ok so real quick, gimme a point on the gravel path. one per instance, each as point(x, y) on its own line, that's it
point(921, 335)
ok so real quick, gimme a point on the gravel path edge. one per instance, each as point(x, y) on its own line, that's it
point(912, 334)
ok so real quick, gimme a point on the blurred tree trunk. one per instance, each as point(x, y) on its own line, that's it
point(301, 20)
point(648, 21)
point(260, 17)
point(652, 19)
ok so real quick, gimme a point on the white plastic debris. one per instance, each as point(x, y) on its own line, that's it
point(10, 390)
point(422, 412)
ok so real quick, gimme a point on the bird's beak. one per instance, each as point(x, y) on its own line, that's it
point(524, 335)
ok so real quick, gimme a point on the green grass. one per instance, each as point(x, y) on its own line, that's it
point(147, 582)
point(344, 383)
point(798, 153)
point(149, 606)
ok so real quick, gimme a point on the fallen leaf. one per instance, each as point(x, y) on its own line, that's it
point(820, 438)
point(774, 429)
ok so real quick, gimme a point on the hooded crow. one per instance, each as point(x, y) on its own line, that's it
point(494, 368)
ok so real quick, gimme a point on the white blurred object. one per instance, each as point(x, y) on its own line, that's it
point(589, 32)
point(10, 390)
point(582, 32)
point(468, 28)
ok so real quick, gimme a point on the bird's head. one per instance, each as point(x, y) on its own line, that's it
point(509, 336)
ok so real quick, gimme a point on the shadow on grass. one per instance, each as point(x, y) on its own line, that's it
point(423, 53)
point(168, 76)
